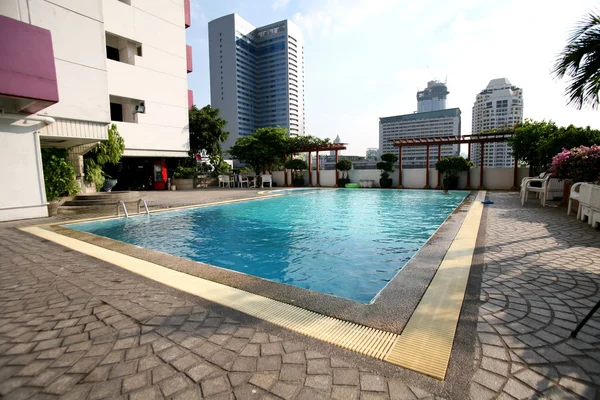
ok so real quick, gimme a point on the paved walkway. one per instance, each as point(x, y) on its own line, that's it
point(76, 327)
point(541, 276)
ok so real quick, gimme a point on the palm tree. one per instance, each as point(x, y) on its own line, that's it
point(580, 60)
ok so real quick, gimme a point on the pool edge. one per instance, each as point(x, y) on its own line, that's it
point(368, 341)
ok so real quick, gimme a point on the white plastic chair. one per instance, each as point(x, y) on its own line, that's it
point(241, 180)
point(574, 195)
point(225, 180)
point(541, 191)
point(266, 178)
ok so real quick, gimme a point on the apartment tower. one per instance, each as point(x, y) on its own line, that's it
point(498, 106)
point(256, 75)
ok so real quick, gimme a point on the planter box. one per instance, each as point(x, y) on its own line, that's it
point(183, 184)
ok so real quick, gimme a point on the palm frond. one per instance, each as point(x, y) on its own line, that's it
point(580, 61)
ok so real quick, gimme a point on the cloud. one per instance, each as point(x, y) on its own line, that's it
point(279, 4)
point(338, 17)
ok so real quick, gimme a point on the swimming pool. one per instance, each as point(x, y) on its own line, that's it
point(347, 243)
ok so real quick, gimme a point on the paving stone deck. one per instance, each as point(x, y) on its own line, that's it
point(74, 327)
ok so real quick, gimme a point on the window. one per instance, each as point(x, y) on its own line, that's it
point(112, 53)
point(121, 49)
point(116, 111)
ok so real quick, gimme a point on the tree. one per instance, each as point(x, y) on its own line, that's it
point(580, 60)
point(262, 149)
point(107, 153)
point(527, 139)
point(206, 133)
point(538, 142)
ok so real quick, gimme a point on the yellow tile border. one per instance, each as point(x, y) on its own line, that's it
point(424, 345)
point(426, 342)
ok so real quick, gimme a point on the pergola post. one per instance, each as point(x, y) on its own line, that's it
point(337, 182)
point(399, 167)
point(439, 182)
point(427, 186)
point(469, 171)
point(285, 179)
point(309, 169)
point(515, 175)
point(481, 167)
point(318, 181)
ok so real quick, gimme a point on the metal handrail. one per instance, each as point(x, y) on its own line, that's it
point(139, 207)
point(145, 206)
point(121, 202)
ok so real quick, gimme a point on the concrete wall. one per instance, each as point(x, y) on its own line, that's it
point(494, 178)
point(22, 193)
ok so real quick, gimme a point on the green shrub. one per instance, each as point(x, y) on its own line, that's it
point(59, 174)
point(451, 166)
point(344, 166)
point(182, 172)
point(386, 165)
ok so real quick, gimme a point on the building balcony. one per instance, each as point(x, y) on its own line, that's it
point(187, 12)
point(190, 99)
point(188, 54)
point(27, 72)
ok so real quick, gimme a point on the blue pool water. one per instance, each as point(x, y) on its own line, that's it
point(347, 243)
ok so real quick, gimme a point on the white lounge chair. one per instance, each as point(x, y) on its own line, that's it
point(541, 191)
point(574, 195)
point(266, 178)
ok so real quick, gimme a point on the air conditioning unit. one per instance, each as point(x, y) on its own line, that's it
point(140, 109)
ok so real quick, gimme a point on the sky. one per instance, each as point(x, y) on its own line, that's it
point(366, 59)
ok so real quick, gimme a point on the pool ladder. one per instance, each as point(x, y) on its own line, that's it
point(139, 206)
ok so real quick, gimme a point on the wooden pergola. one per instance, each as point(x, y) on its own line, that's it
point(440, 141)
point(317, 148)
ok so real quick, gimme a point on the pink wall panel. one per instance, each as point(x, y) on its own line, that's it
point(27, 67)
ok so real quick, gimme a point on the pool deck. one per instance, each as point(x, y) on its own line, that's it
point(73, 324)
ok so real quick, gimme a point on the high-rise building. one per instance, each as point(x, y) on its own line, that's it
point(433, 97)
point(498, 106)
point(420, 125)
point(68, 69)
point(372, 153)
point(256, 75)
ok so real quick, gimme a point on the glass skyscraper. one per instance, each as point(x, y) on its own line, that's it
point(256, 75)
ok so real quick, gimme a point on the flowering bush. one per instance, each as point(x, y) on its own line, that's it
point(580, 164)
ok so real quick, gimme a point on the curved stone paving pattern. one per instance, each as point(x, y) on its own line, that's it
point(71, 327)
point(541, 276)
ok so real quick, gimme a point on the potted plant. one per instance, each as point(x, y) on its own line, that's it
point(344, 166)
point(298, 167)
point(59, 177)
point(386, 166)
point(108, 183)
point(183, 177)
point(450, 167)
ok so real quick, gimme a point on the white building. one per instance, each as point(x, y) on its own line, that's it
point(433, 97)
point(420, 125)
point(61, 86)
point(498, 106)
point(372, 153)
point(256, 75)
